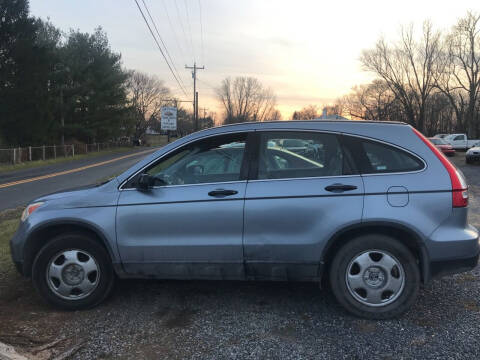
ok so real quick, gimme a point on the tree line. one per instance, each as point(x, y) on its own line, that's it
point(426, 77)
point(71, 86)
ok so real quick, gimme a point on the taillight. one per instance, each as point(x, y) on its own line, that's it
point(459, 185)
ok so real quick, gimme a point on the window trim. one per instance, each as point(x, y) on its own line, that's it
point(344, 143)
point(243, 172)
point(355, 155)
point(254, 166)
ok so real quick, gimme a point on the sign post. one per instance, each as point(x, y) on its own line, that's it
point(168, 119)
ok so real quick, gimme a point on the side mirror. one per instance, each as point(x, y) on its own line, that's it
point(145, 182)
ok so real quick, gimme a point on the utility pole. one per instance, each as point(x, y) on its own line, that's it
point(195, 94)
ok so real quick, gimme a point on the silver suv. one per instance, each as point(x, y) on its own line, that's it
point(372, 207)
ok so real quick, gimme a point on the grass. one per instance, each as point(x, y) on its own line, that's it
point(37, 163)
point(9, 220)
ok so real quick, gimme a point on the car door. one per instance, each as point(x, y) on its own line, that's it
point(459, 142)
point(190, 223)
point(296, 202)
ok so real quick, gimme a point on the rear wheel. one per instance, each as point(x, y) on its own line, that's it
point(375, 276)
point(73, 272)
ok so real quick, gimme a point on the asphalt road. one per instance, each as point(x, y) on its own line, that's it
point(19, 187)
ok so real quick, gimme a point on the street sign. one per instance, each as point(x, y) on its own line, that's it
point(168, 118)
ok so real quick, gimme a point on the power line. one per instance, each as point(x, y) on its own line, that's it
point(208, 84)
point(161, 40)
point(201, 30)
point(159, 47)
point(180, 48)
point(180, 19)
point(189, 28)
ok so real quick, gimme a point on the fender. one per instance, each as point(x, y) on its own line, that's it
point(414, 240)
point(54, 227)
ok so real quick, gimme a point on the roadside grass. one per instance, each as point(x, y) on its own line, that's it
point(37, 163)
point(9, 220)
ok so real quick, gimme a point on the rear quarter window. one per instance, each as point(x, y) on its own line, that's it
point(379, 158)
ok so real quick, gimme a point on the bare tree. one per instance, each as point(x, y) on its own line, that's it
point(408, 68)
point(374, 101)
point(147, 95)
point(307, 113)
point(459, 79)
point(246, 99)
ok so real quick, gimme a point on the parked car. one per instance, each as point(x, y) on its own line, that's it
point(441, 136)
point(460, 141)
point(443, 146)
point(379, 213)
point(473, 154)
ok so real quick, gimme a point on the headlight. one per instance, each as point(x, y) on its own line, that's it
point(30, 209)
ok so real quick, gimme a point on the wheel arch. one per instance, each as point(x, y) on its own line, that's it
point(43, 233)
point(402, 233)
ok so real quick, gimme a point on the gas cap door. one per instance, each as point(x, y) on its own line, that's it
point(397, 196)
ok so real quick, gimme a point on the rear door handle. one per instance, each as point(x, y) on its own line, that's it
point(222, 192)
point(340, 188)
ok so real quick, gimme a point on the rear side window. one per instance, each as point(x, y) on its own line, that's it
point(377, 158)
point(287, 154)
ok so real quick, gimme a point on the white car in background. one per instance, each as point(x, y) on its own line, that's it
point(460, 141)
point(441, 136)
point(473, 154)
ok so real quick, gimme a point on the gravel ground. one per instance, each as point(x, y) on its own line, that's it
point(267, 320)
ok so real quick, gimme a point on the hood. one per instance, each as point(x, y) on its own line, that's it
point(105, 194)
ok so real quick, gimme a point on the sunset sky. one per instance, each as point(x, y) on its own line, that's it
point(306, 51)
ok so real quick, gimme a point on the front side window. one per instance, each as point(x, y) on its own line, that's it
point(458, 137)
point(216, 159)
point(299, 154)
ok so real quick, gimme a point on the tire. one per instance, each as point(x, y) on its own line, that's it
point(375, 277)
point(73, 272)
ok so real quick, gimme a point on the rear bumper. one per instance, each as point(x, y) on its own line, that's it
point(454, 266)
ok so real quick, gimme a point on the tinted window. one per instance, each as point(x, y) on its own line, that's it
point(299, 154)
point(459, 137)
point(381, 158)
point(216, 159)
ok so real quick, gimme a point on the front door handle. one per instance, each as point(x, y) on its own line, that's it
point(340, 188)
point(222, 192)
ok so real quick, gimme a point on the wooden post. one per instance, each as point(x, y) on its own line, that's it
point(14, 156)
point(29, 153)
point(86, 148)
point(65, 150)
point(54, 151)
point(43, 152)
point(19, 154)
point(98, 147)
point(73, 150)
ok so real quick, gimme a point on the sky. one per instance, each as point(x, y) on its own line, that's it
point(306, 51)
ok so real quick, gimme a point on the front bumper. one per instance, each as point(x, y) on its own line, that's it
point(16, 247)
point(473, 157)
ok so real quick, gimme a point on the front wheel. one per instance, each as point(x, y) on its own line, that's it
point(375, 277)
point(73, 272)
